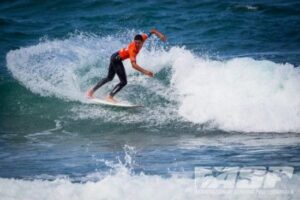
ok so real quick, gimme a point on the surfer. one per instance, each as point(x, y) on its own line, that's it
point(116, 66)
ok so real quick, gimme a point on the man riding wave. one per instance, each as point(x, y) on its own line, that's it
point(116, 66)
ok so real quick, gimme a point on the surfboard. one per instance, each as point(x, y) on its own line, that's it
point(118, 104)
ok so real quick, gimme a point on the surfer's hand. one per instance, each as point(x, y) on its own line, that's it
point(163, 38)
point(150, 74)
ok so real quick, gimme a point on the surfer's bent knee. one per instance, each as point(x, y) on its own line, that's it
point(123, 83)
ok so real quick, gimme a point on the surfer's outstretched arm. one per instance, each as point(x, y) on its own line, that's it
point(161, 36)
point(140, 69)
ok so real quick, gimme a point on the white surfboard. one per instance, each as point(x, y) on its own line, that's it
point(118, 104)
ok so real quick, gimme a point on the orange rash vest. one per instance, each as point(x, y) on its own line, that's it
point(131, 51)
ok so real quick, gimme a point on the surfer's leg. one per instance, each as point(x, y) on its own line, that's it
point(114, 60)
point(110, 76)
point(120, 70)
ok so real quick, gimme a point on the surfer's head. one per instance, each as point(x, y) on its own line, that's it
point(138, 39)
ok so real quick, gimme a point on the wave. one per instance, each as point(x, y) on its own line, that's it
point(246, 7)
point(126, 186)
point(239, 94)
point(122, 183)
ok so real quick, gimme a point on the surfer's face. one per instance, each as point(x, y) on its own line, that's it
point(138, 44)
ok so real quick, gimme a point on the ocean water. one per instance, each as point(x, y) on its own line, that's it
point(226, 93)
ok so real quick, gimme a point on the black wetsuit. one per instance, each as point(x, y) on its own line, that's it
point(115, 67)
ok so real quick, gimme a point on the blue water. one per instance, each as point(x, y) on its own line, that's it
point(226, 92)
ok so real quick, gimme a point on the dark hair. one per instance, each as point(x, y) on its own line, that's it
point(138, 37)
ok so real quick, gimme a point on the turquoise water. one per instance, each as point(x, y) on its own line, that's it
point(226, 92)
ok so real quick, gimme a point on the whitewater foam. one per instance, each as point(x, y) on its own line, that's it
point(121, 186)
point(240, 94)
point(122, 183)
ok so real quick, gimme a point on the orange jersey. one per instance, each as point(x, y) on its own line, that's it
point(131, 51)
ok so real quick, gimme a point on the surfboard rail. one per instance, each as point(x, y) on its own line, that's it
point(121, 104)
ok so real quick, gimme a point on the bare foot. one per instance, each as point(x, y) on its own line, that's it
point(90, 94)
point(111, 99)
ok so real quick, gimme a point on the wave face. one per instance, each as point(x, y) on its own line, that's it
point(238, 94)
